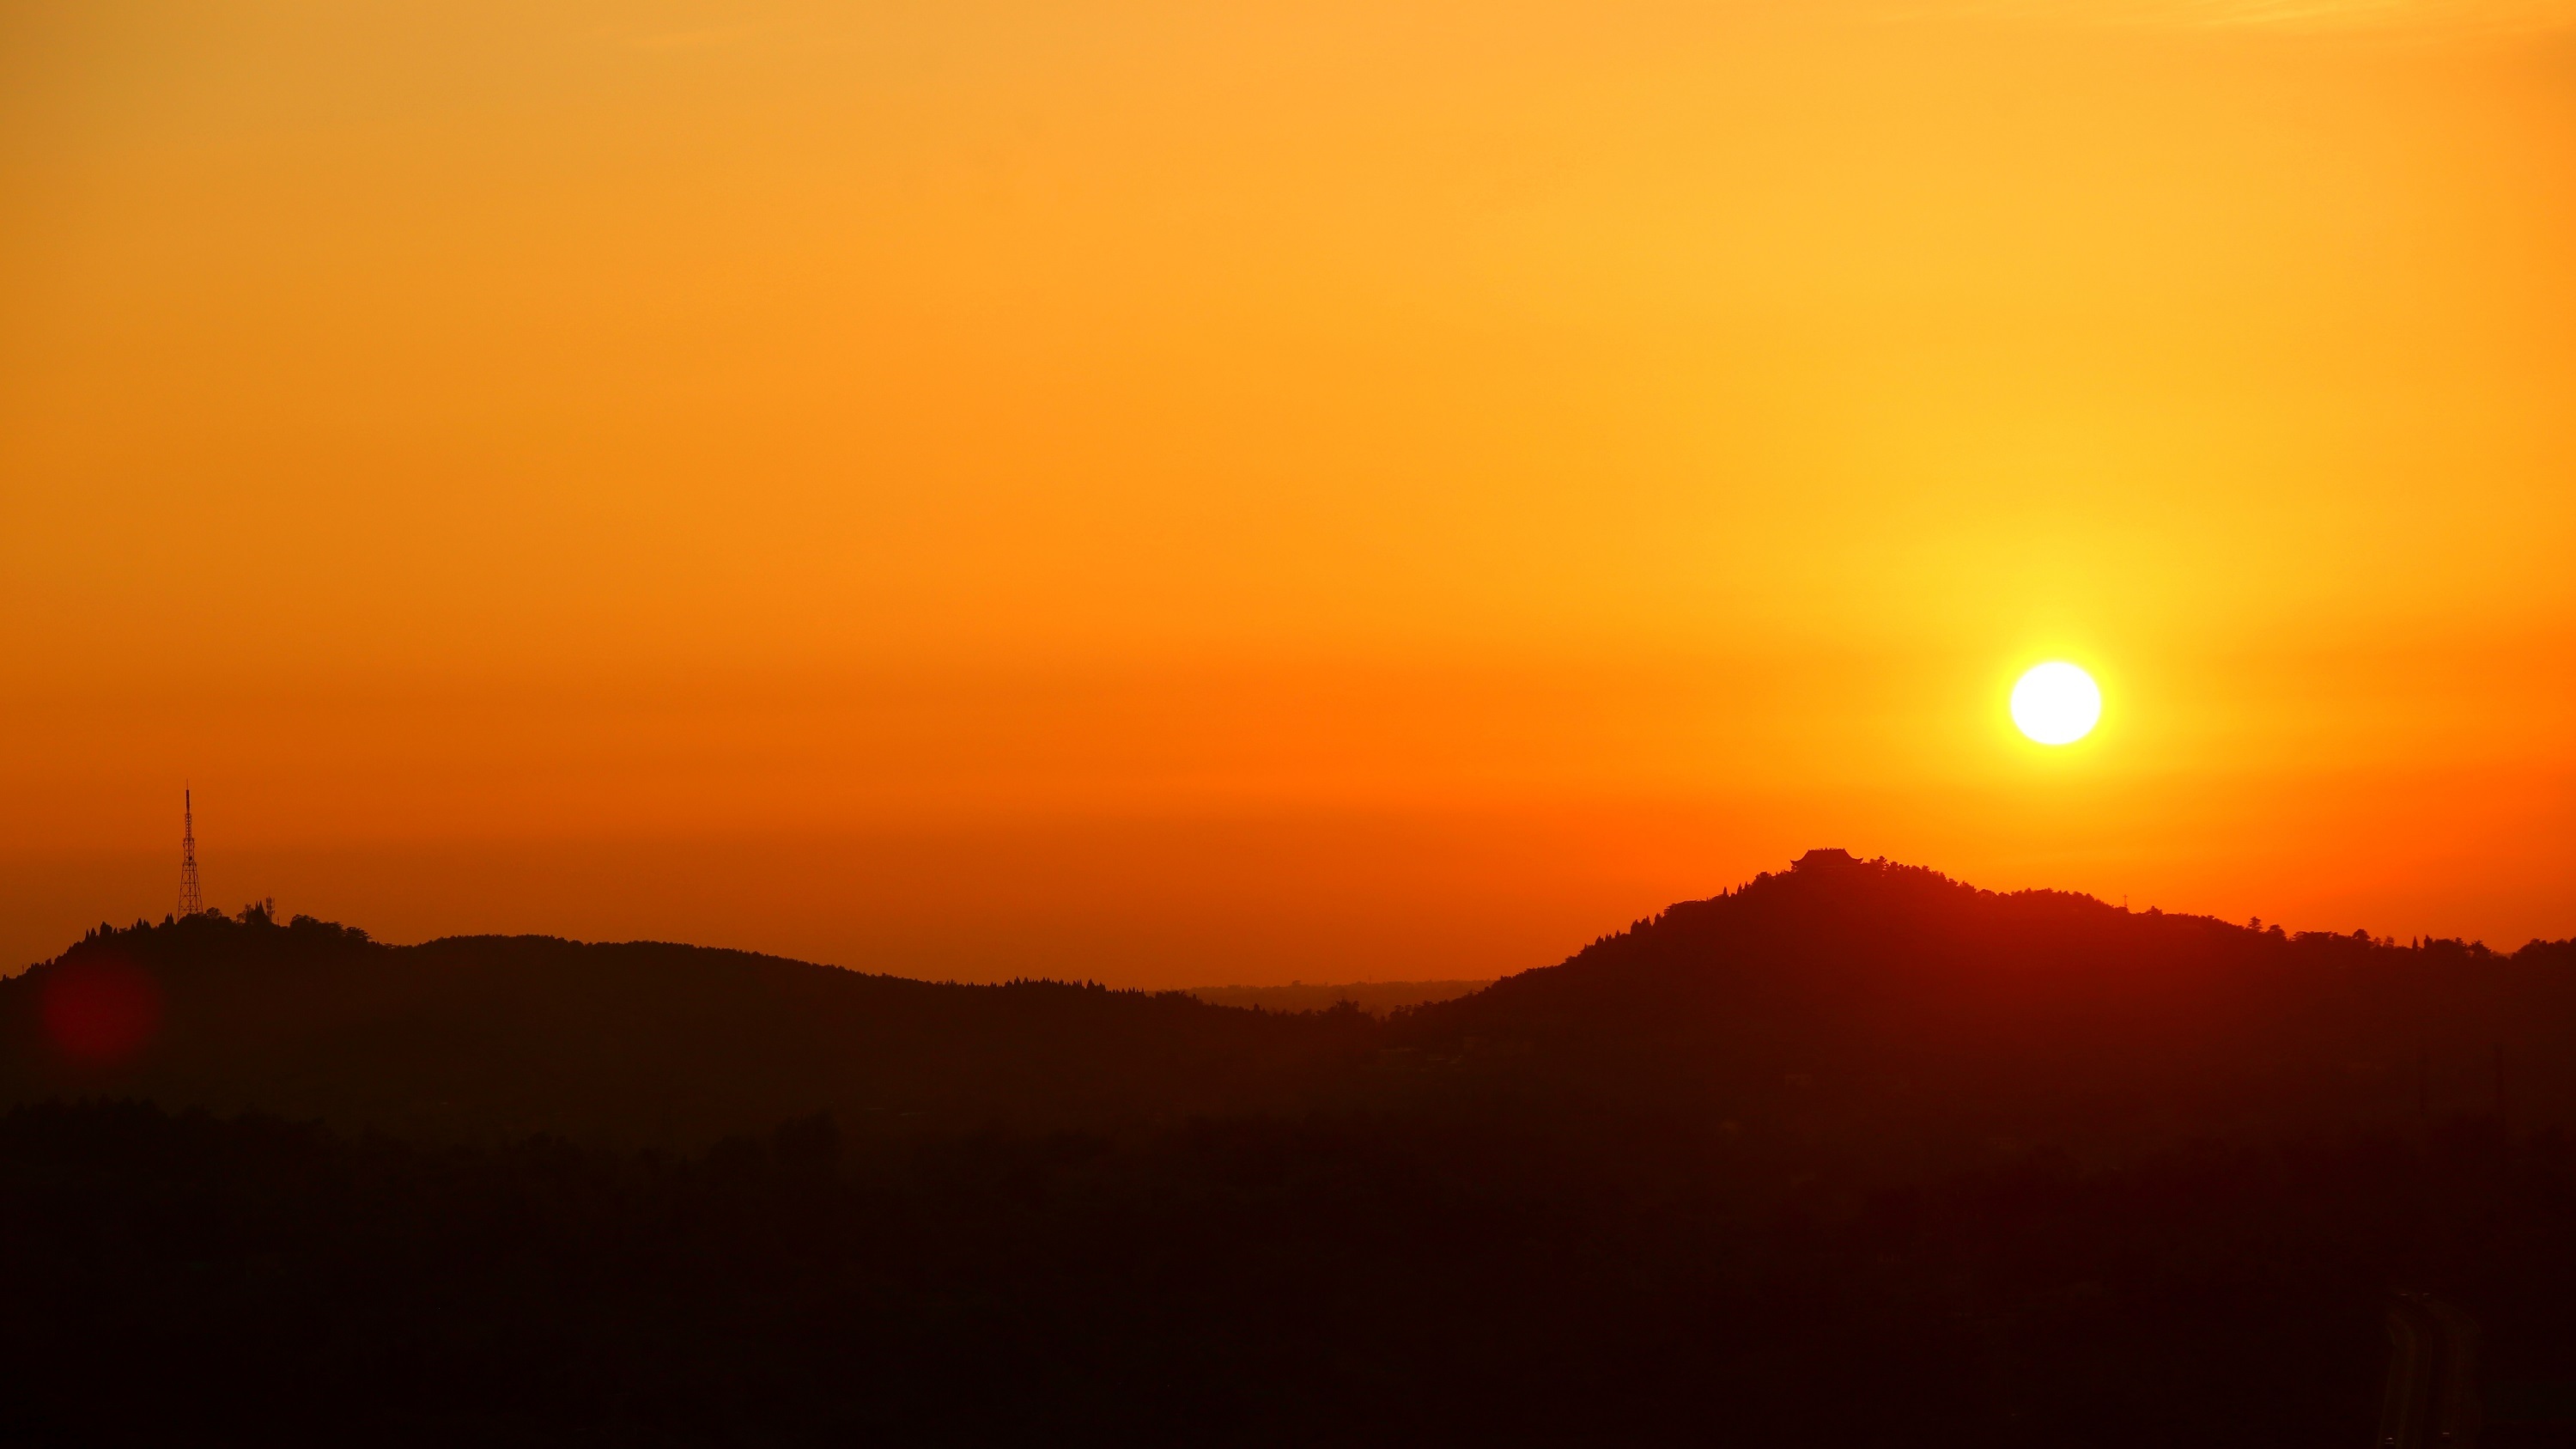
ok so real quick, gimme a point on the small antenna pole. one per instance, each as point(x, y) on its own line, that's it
point(191, 899)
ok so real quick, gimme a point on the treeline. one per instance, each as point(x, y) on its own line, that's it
point(1843, 1011)
point(1356, 1280)
point(1853, 1155)
point(1876, 1012)
point(643, 1043)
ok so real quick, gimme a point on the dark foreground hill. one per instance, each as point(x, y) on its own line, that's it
point(1854, 1155)
point(1357, 1281)
point(1863, 1016)
point(1867, 1011)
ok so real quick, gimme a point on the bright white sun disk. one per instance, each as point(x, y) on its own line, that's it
point(2056, 704)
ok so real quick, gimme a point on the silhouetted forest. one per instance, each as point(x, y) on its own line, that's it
point(489, 1038)
point(1854, 1155)
point(1254, 1281)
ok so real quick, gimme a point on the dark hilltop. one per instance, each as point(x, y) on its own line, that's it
point(1854, 1154)
point(1874, 1010)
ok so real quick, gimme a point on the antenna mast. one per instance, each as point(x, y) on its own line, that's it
point(191, 899)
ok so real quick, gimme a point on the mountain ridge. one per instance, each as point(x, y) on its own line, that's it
point(1831, 1009)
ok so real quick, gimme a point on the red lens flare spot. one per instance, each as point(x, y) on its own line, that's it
point(101, 1012)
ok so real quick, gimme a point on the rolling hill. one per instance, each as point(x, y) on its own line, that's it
point(1872, 1008)
point(1852, 1155)
point(490, 1038)
point(1841, 1009)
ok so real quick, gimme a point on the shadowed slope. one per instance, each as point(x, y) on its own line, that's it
point(477, 1036)
point(1889, 1009)
point(1875, 1014)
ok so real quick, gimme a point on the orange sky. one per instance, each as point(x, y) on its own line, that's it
point(1179, 493)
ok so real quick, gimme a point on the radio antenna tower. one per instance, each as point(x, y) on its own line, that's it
point(191, 899)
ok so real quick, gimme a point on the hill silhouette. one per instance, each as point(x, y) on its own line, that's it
point(1841, 1010)
point(1853, 1155)
point(1876, 1008)
point(486, 1037)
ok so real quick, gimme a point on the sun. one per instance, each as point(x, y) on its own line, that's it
point(2056, 703)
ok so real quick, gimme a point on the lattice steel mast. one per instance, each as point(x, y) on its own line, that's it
point(191, 899)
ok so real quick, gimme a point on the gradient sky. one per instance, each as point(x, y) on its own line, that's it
point(1181, 493)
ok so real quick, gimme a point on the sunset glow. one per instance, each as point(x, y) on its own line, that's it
point(1512, 722)
point(1166, 494)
